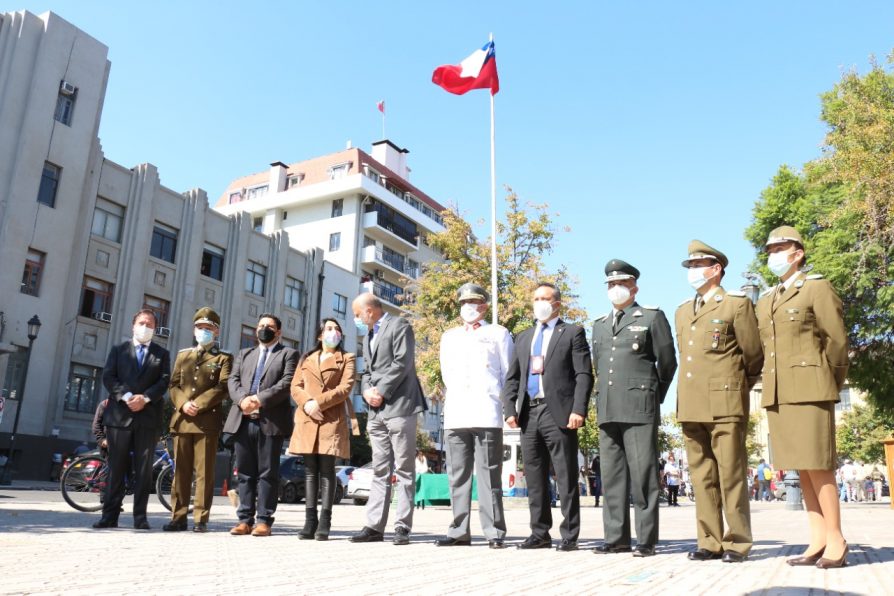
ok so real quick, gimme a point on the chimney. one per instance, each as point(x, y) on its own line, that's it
point(278, 172)
point(392, 157)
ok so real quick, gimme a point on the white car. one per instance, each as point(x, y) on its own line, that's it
point(359, 483)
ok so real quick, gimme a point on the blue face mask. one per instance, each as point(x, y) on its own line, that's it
point(204, 337)
point(362, 328)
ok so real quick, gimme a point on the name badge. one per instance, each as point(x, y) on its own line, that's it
point(537, 365)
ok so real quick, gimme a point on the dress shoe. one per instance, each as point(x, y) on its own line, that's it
point(142, 525)
point(703, 554)
point(262, 529)
point(367, 535)
point(241, 529)
point(448, 541)
point(496, 543)
point(731, 556)
point(644, 550)
point(174, 526)
point(567, 546)
point(401, 536)
point(532, 542)
point(200, 527)
point(804, 561)
point(610, 549)
point(825, 563)
point(105, 523)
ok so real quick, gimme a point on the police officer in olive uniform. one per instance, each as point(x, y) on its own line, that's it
point(198, 387)
point(633, 349)
point(720, 361)
point(805, 365)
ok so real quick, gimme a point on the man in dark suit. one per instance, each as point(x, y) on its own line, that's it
point(392, 390)
point(633, 350)
point(260, 419)
point(136, 376)
point(546, 394)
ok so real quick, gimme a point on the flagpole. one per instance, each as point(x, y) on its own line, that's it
point(383, 125)
point(493, 211)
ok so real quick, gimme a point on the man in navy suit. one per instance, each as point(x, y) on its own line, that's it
point(546, 394)
point(260, 419)
point(136, 376)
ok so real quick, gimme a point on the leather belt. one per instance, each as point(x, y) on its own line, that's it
point(254, 417)
point(535, 402)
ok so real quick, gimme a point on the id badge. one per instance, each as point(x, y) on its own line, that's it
point(537, 365)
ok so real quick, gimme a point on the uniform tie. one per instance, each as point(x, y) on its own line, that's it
point(617, 321)
point(780, 290)
point(699, 303)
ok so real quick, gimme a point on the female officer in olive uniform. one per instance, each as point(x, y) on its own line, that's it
point(198, 387)
point(805, 365)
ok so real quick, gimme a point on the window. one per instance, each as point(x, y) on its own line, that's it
point(334, 241)
point(235, 197)
point(294, 293)
point(164, 243)
point(212, 262)
point(294, 180)
point(412, 268)
point(15, 369)
point(247, 339)
point(49, 184)
point(255, 192)
point(340, 305)
point(255, 278)
point(291, 343)
point(96, 297)
point(844, 400)
point(367, 241)
point(33, 271)
point(285, 215)
point(394, 259)
point(83, 388)
point(107, 218)
point(339, 170)
point(159, 307)
point(338, 207)
point(258, 224)
point(65, 106)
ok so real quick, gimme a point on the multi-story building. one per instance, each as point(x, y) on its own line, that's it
point(361, 210)
point(86, 242)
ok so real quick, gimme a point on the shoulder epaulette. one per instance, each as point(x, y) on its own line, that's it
point(815, 276)
point(737, 293)
point(599, 319)
point(684, 302)
point(185, 350)
point(648, 307)
point(768, 291)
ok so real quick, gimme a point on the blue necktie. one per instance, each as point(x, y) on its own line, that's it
point(140, 353)
point(534, 379)
point(256, 380)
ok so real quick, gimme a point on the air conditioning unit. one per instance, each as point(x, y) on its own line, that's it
point(380, 274)
point(105, 317)
point(66, 88)
point(162, 332)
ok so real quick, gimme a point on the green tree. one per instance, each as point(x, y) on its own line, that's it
point(753, 446)
point(525, 236)
point(842, 203)
point(670, 434)
point(861, 431)
point(588, 435)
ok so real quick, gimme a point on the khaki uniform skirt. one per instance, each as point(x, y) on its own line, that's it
point(802, 436)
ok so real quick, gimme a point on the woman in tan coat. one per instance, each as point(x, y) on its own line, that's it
point(321, 388)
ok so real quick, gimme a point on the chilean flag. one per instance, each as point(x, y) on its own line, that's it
point(478, 71)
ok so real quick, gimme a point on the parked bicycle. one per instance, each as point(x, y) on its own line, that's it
point(86, 478)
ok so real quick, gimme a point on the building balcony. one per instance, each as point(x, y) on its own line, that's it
point(375, 258)
point(379, 226)
point(392, 297)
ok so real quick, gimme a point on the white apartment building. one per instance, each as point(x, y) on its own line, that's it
point(361, 210)
point(86, 242)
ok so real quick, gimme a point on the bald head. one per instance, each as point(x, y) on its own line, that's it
point(367, 308)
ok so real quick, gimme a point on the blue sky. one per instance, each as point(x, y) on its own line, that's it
point(643, 125)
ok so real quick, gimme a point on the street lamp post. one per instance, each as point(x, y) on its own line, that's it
point(33, 329)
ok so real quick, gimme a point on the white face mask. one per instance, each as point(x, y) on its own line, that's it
point(778, 263)
point(143, 334)
point(469, 312)
point(543, 310)
point(696, 277)
point(331, 338)
point(204, 337)
point(618, 294)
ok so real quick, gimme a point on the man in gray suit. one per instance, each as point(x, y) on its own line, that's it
point(391, 389)
point(633, 350)
point(260, 419)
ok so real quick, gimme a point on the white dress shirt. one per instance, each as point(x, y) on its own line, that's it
point(474, 363)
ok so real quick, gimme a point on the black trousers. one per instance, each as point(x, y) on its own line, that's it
point(257, 459)
point(672, 492)
point(140, 441)
point(542, 441)
point(319, 478)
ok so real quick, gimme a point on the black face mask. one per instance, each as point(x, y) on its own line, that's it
point(266, 334)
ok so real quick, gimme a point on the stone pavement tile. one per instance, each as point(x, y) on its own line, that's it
point(54, 551)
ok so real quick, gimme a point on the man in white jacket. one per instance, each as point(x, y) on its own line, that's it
point(474, 362)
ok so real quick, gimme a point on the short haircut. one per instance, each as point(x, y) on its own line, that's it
point(557, 294)
point(370, 299)
point(145, 311)
point(276, 320)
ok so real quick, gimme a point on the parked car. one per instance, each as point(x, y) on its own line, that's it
point(292, 475)
point(359, 483)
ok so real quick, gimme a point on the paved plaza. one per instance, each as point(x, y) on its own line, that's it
point(48, 548)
